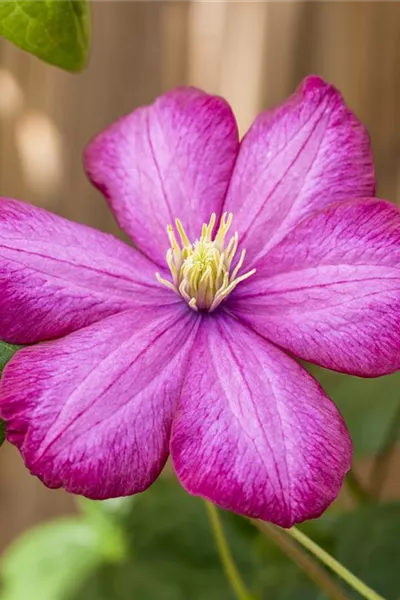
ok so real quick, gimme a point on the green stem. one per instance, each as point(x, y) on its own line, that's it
point(334, 565)
point(227, 561)
point(359, 493)
point(311, 567)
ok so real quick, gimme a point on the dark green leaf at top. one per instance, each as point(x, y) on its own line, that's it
point(56, 31)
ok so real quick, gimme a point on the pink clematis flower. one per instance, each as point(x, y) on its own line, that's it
point(197, 361)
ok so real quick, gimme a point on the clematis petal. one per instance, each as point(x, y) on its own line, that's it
point(57, 276)
point(92, 412)
point(254, 432)
point(171, 159)
point(298, 158)
point(330, 291)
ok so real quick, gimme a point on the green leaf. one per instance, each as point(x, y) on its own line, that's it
point(102, 515)
point(367, 405)
point(2, 432)
point(166, 517)
point(369, 545)
point(168, 553)
point(157, 581)
point(6, 352)
point(56, 31)
point(172, 554)
point(50, 561)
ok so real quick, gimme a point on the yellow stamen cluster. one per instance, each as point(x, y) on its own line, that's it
point(202, 272)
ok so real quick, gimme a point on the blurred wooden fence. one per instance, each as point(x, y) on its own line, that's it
point(253, 53)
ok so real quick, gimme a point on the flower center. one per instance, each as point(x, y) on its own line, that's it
point(203, 272)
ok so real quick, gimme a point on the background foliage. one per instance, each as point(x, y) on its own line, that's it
point(159, 545)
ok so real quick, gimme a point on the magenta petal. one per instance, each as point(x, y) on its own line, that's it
point(92, 412)
point(171, 159)
point(298, 158)
point(254, 432)
point(330, 291)
point(57, 276)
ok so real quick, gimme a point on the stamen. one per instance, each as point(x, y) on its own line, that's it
point(183, 292)
point(224, 226)
point(192, 304)
point(167, 283)
point(220, 264)
point(172, 239)
point(182, 234)
point(231, 249)
point(239, 265)
point(210, 227)
point(201, 271)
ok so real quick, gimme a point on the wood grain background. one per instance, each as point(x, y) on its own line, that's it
point(253, 53)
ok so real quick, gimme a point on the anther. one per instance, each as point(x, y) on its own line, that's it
point(201, 271)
